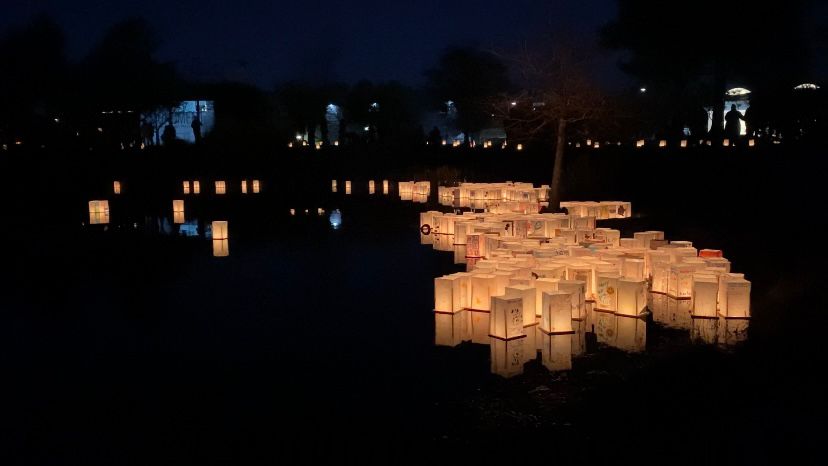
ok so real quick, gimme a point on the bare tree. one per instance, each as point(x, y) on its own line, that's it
point(554, 93)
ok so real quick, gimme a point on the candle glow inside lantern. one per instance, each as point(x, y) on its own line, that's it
point(385, 186)
point(632, 296)
point(244, 186)
point(221, 187)
point(606, 294)
point(116, 187)
point(681, 281)
point(738, 298)
point(662, 143)
point(577, 293)
point(506, 318)
point(683, 143)
point(705, 294)
point(219, 228)
point(557, 309)
point(178, 211)
point(482, 289)
point(347, 187)
point(186, 187)
point(543, 285)
point(333, 186)
point(527, 294)
point(371, 187)
point(196, 187)
point(639, 143)
point(98, 212)
point(256, 186)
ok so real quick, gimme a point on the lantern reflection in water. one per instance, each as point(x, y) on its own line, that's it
point(178, 211)
point(333, 186)
point(98, 212)
point(452, 329)
point(556, 351)
point(507, 356)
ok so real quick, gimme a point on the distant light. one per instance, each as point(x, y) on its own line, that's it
point(335, 219)
point(738, 91)
point(57, 120)
point(367, 128)
point(807, 86)
point(520, 147)
point(298, 137)
point(643, 89)
point(514, 104)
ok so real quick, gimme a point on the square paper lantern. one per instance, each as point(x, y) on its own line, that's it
point(474, 245)
point(221, 247)
point(632, 296)
point(186, 187)
point(221, 187)
point(683, 143)
point(482, 289)
point(371, 187)
point(385, 186)
point(220, 229)
point(710, 253)
point(347, 187)
point(452, 329)
point(705, 294)
point(662, 143)
point(527, 294)
point(244, 186)
point(116, 187)
point(576, 290)
point(738, 298)
point(681, 281)
point(543, 285)
point(444, 300)
point(581, 272)
point(257, 186)
point(98, 212)
point(501, 281)
point(333, 186)
point(606, 294)
point(507, 356)
point(506, 317)
point(556, 352)
point(479, 327)
point(634, 268)
point(178, 211)
point(196, 187)
point(557, 309)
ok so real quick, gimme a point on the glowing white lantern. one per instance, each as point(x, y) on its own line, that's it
point(333, 186)
point(186, 187)
point(452, 329)
point(738, 298)
point(347, 187)
point(634, 268)
point(662, 143)
point(520, 147)
point(482, 289)
point(221, 187)
point(527, 294)
point(543, 285)
point(371, 187)
point(506, 318)
point(292, 212)
point(256, 186)
point(577, 293)
point(684, 143)
point(681, 281)
point(116, 187)
point(639, 143)
point(726, 142)
point(98, 212)
point(219, 228)
point(581, 272)
point(705, 294)
point(556, 313)
point(244, 186)
point(606, 294)
point(507, 356)
point(196, 187)
point(385, 186)
point(556, 352)
point(632, 296)
point(178, 211)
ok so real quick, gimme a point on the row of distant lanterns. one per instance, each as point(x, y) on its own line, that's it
point(552, 269)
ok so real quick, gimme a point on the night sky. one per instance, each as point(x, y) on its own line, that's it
point(264, 41)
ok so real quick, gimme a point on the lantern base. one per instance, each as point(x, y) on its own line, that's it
point(507, 339)
point(532, 324)
point(733, 317)
point(565, 332)
point(449, 312)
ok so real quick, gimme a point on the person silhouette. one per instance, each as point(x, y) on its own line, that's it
point(196, 125)
point(169, 134)
point(147, 132)
point(733, 127)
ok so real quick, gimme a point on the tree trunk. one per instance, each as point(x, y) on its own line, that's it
point(560, 144)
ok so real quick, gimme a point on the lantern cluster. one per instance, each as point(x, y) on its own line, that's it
point(494, 197)
point(417, 191)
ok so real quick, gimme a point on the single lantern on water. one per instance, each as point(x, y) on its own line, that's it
point(705, 293)
point(196, 187)
point(662, 143)
point(256, 186)
point(98, 212)
point(506, 319)
point(333, 186)
point(371, 187)
point(557, 310)
point(116, 187)
point(347, 187)
point(738, 298)
point(632, 296)
point(527, 294)
point(244, 186)
point(186, 187)
point(221, 187)
point(385, 186)
point(178, 211)
point(219, 228)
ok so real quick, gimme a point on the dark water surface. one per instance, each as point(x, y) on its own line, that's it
point(125, 345)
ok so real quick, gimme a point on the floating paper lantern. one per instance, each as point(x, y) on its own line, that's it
point(556, 352)
point(726, 142)
point(506, 319)
point(221, 187)
point(385, 186)
point(256, 186)
point(737, 298)
point(634, 268)
point(639, 143)
point(577, 293)
point(333, 186)
point(606, 294)
point(116, 187)
point(507, 357)
point(632, 296)
point(98, 212)
point(219, 228)
point(221, 247)
point(543, 285)
point(196, 187)
point(705, 294)
point(528, 295)
point(662, 143)
point(683, 143)
point(556, 313)
point(186, 187)
point(520, 147)
point(371, 187)
point(178, 211)
point(482, 289)
point(681, 281)
point(244, 186)
point(452, 329)
point(347, 187)
point(751, 142)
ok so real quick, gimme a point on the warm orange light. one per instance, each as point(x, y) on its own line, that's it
point(244, 186)
point(116, 187)
point(257, 186)
point(221, 187)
